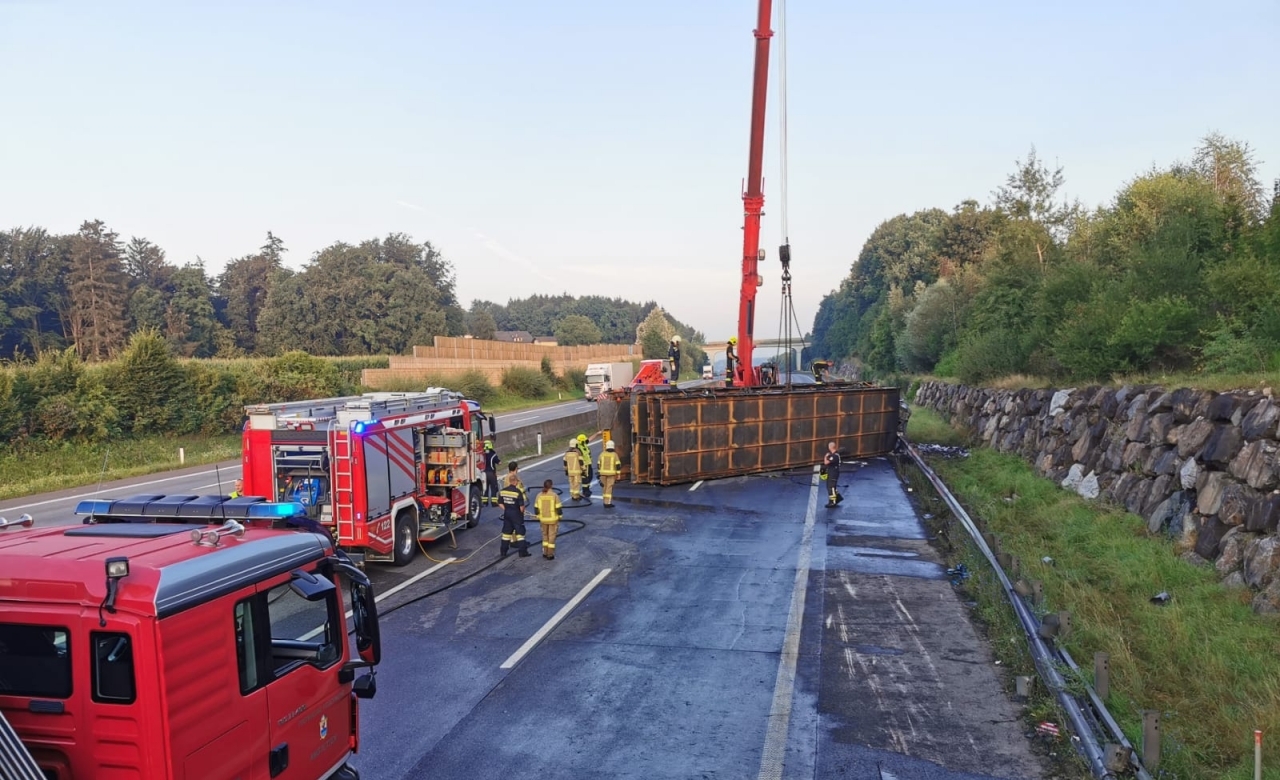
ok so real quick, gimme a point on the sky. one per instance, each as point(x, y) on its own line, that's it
point(597, 147)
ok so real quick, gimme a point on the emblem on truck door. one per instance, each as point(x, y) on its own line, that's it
point(324, 726)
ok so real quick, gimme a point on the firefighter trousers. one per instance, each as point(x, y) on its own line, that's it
point(833, 488)
point(549, 531)
point(575, 487)
point(491, 488)
point(606, 487)
point(513, 536)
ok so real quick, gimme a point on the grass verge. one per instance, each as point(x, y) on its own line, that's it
point(45, 467)
point(1205, 661)
point(508, 402)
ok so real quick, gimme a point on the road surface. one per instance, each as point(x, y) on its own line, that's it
point(58, 508)
point(733, 629)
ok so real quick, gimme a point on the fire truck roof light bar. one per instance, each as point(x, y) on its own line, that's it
point(245, 508)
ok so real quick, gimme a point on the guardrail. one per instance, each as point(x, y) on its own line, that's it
point(1089, 718)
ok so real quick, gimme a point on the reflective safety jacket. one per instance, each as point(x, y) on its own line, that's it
point(609, 464)
point(573, 462)
point(547, 507)
point(584, 450)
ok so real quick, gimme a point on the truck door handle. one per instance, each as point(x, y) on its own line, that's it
point(279, 758)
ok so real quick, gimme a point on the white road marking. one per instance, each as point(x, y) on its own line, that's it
point(554, 621)
point(775, 741)
point(696, 485)
point(135, 485)
point(316, 631)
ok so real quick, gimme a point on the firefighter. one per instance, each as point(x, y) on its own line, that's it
point(730, 360)
point(573, 470)
point(831, 473)
point(237, 490)
point(584, 450)
point(491, 461)
point(513, 501)
point(673, 356)
point(549, 510)
point(609, 466)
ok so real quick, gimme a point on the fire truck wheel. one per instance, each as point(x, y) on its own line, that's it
point(473, 506)
point(406, 538)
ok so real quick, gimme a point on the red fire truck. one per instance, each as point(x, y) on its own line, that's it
point(381, 471)
point(140, 646)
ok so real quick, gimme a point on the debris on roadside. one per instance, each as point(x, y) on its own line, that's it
point(1161, 598)
point(1047, 729)
point(942, 450)
point(958, 574)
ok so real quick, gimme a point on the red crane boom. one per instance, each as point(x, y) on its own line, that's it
point(753, 203)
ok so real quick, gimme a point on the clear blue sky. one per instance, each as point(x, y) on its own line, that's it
point(597, 147)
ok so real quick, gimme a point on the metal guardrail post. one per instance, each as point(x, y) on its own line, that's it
point(1151, 739)
point(1102, 674)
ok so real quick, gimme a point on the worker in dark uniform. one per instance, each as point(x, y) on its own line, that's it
point(513, 501)
point(673, 357)
point(491, 487)
point(730, 360)
point(831, 473)
point(549, 510)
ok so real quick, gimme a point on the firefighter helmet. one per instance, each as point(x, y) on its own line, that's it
point(582, 437)
point(488, 445)
point(733, 339)
point(609, 445)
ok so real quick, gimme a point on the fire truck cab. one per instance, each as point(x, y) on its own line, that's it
point(139, 645)
point(381, 471)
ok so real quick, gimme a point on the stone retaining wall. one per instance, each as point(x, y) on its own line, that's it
point(1199, 466)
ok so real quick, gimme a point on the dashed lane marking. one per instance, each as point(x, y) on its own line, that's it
point(550, 625)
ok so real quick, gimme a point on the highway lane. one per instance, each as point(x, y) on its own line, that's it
point(58, 507)
point(734, 630)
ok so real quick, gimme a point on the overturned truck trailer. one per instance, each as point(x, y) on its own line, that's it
point(669, 437)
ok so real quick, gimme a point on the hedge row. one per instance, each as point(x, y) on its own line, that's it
point(149, 391)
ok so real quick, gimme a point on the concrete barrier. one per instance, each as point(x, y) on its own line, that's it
point(525, 436)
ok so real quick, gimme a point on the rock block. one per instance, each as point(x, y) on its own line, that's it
point(1210, 489)
point(1268, 601)
point(1261, 559)
point(1231, 550)
point(1264, 514)
point(1189, 473)
point(1074, 477)
point(1260, 422)
point(1223, 445)
point(1236, 501)
point(1256, 464)
point(1222, 407)
point(1164, 460)
point(1158, 428)
point(1211, 533)
point(1161, 488)
point(1163, 402)
point(1184, 404)
point(1089, 487)
point(1192, 438)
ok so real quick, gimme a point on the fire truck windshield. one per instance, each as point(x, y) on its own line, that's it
point(35, 661)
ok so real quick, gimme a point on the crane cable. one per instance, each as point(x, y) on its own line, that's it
point(787, 314)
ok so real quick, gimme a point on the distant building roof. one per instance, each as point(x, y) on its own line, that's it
point(518, 336)
point(551, 340)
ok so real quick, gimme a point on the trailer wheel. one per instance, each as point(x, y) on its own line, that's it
point(473, 506)
point(406, 538)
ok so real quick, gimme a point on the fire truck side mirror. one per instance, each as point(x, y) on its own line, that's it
point(493, 425)
point(309, 586)
point(365, 686)
point(364, 615)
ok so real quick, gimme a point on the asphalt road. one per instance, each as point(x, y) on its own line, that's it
point(58, 508)
point(738, 630)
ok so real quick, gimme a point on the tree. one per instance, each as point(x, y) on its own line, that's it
point(1230, 166)
point(654, 334)
point(33, 289)
point(575, 330)
point(95, 317)
point(243, 286)
point(1028, 195)
point(190, 324)
point(480, 324)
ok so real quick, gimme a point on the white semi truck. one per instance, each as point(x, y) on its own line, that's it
point(605, 377)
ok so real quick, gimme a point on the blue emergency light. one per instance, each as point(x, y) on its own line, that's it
point(357, 428)
point(274, 509)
